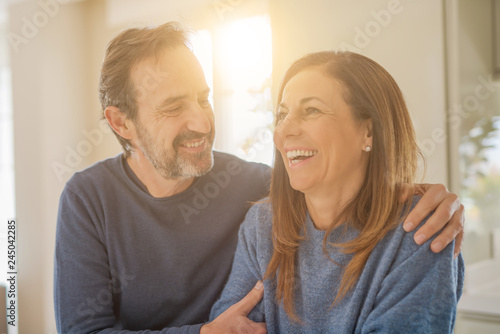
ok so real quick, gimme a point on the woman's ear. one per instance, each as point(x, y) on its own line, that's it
point(119, 122)
point(368, 137)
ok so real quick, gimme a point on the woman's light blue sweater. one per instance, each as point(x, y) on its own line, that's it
point(404, 287)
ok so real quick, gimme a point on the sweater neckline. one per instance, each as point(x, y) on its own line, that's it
point(340, 233)
point(311, 229)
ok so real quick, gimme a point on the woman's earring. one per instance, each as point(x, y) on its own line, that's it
point(368, 149)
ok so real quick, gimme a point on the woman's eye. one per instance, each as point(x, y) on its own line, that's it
point(280, 116)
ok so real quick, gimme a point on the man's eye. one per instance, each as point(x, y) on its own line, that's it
point(173, 111)
point(204, 103)
point(310, 111)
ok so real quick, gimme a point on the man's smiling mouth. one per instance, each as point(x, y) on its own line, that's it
point(194, 144)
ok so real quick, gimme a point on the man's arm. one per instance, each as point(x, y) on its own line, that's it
point(448, 216)
point(82, 278)
point(85, 287)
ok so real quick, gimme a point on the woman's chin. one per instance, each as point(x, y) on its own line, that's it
point(299, 186)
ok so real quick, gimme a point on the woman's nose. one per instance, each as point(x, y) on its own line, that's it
point(290, 125)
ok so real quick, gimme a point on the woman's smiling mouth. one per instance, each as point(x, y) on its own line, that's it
point(296, 156)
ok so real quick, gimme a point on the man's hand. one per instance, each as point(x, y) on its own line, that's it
point(449, 213)
point(234, 319)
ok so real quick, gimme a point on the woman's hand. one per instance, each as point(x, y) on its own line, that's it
point(449, 213)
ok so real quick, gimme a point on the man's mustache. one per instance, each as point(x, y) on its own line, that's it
point(191, 136)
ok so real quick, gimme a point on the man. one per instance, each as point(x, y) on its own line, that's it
point(145, 240)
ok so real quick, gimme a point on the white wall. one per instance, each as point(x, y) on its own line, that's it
point(54, 100)
point(55, 95)
point(4, 51)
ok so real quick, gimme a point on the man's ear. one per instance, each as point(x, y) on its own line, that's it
point(119, 122)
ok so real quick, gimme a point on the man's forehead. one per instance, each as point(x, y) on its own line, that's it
point(178, 62)
point(175, 73)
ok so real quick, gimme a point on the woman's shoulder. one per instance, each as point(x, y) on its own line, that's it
point(258, 218)
point(402, 244)
point(260, 212)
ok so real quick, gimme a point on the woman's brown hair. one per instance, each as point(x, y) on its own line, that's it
point(371, 93)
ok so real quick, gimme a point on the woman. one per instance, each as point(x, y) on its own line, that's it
point(329, 244)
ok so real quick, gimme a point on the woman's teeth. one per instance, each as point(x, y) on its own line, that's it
point(296, 156)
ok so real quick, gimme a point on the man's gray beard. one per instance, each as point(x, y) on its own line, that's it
point(172, 165)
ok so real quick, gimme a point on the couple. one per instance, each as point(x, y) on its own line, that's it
point(136, 252)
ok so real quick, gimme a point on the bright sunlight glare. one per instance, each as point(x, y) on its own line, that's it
point(246, 49)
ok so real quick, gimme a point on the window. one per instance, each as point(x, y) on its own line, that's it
point(245, 47)
point(240, 52)
point(474, 122)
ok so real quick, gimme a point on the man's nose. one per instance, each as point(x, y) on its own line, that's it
point(200, 119)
